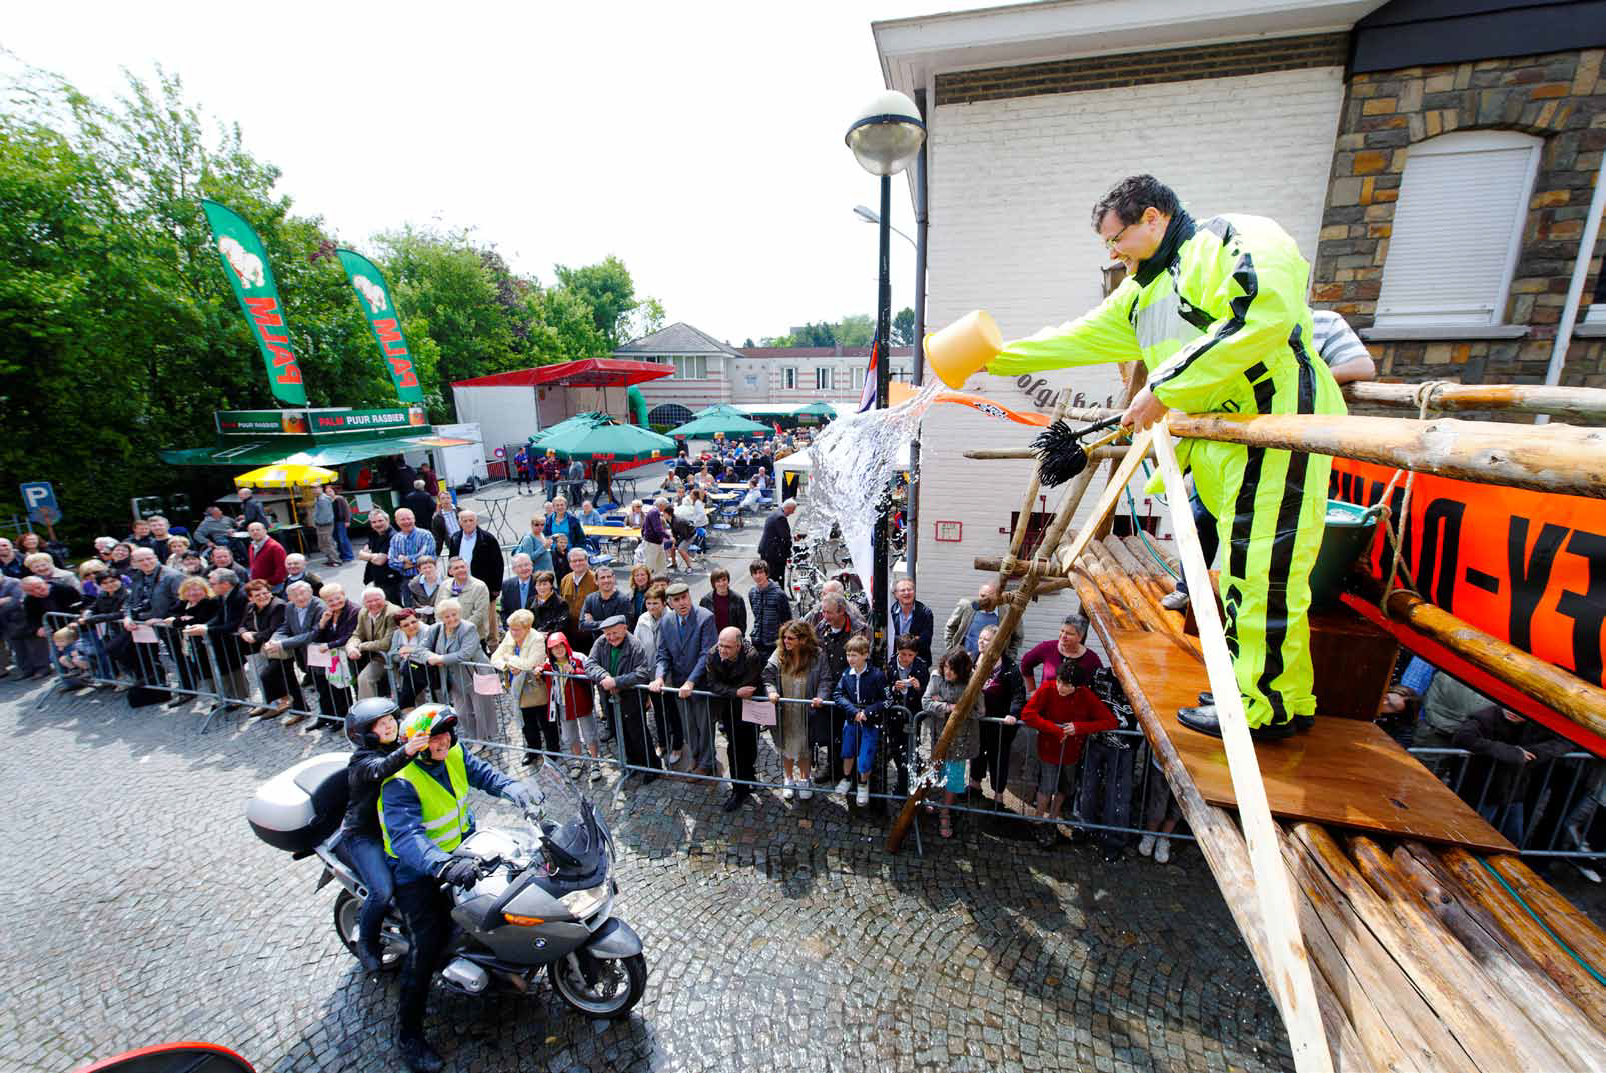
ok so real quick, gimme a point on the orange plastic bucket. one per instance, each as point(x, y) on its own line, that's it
point(963, 347)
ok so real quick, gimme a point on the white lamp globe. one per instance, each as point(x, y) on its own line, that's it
point(887, 133)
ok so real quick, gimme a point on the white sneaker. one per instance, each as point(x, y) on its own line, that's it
point(786, 790)
point(863, 797)
point(1162, 851)
point(843, 787)
point(1145, 845)
point(672, 759)
point(805, 792)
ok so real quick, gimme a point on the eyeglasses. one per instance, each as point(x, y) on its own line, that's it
point(1110, 242)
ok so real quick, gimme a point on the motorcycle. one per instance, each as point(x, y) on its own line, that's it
point(543, 899)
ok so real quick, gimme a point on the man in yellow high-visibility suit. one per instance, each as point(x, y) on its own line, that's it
point(1216, 310)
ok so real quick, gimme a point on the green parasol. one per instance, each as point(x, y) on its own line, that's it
point(597, 437)
point(730, 425)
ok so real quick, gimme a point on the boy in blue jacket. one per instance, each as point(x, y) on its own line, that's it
point(861, 696)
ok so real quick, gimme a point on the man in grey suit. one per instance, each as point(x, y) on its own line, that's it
point(152, 594)
point(301, 614)
point(685, 635)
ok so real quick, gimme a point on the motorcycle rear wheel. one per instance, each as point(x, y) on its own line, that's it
point(619, 986)
point(392, 932)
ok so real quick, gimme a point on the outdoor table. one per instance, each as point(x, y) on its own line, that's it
point(615, 534)
point(496, 508)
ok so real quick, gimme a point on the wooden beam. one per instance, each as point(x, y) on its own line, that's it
point(1548, 458)
point(1585, 405)
point(1292, 975)
point(1066, 557)
point(1556, 688)
point(1486, 891)
point(1008, 621)
point(1518, 977)
point(1023, 519)
point(1560, 916)
point(1486, 989)
point(1097, 454)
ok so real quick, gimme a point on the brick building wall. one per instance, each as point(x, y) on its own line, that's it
point(1560, 97)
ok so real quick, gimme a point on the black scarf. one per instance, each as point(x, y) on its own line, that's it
point(1178, 231)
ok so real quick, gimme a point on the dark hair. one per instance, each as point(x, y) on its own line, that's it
point(756, 565)
point(958, 660)
point(1129, 197)
point(907, 642)
point(719, 573)
point(1070, 672)
point(546, 575)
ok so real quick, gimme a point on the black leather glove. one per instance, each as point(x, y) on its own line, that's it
point(461, 872)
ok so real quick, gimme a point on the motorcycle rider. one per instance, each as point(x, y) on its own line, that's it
point(423, 816)
point(371, 726)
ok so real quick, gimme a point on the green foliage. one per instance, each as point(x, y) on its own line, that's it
point(122, 334)
point(853, 330)
point(903, 327)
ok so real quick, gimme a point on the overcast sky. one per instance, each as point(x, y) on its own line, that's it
point(699, 142)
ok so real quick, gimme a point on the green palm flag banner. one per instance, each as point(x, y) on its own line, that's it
point(374, 298)
point(245, 262)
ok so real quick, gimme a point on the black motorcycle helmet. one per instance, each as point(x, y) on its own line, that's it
point(362, 717)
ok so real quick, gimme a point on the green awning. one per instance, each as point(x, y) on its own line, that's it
point(298, 449)
point(236, 455)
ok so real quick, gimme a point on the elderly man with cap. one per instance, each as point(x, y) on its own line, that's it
point(619, 664)
point(732, 670)
point(685, 636)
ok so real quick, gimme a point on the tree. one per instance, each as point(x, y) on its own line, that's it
point(610, 293)
point(903, 327)
point(855, 330)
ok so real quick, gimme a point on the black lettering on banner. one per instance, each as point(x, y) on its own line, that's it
point(1480, 580)
point(1529, 576)
point(1441, 521)
point(1587, 609)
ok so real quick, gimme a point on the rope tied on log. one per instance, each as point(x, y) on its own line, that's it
point(1425, 394)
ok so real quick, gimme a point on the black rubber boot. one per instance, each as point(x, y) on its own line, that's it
point(1204, 720)
point(419, 1056)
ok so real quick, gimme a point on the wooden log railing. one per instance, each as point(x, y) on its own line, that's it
point(1586, 405)
point(1551, 458)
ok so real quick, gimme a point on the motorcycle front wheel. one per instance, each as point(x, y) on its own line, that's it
point(392, 934)
point(600, 987)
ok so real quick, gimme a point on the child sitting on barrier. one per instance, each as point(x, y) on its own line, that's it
point(74, 654)
point(1063, 712)
point(861, 695)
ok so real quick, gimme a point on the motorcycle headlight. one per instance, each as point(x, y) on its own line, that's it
point(583, 903)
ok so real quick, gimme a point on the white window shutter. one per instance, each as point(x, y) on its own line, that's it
point(1457, 229)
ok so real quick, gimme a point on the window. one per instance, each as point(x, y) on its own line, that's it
point(670, 414)
point(858, 378)
point(690, 367)
point(1457, 229)
point(1035, 529)
point(822, 378)
point(789, 378)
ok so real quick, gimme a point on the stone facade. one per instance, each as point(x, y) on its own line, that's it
point(1560, 97)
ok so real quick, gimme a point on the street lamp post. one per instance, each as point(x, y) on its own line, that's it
point(885, 137)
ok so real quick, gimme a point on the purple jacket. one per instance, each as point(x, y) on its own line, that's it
point(653, 530)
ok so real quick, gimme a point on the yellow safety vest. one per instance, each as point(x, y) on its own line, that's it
point(445, 813)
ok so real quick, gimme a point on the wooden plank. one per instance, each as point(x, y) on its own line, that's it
point(1520, 979)
point(1023, 519)
point(1548, 458)
point(1345, 772)
point(1410, 1023)
point(1218, 837)
point(1485, 1040)
point(1494, 1001)
point(1486, 891)
point(1064, 558)
point(1306, 1033)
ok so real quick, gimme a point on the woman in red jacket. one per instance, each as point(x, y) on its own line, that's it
point(1063, 712)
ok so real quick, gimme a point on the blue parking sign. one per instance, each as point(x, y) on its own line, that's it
point(39, 499)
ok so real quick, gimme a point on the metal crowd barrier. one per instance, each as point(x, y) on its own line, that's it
point(1113, 794)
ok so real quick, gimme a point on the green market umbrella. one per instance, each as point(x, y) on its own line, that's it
point(597, 437)
point(730, 425)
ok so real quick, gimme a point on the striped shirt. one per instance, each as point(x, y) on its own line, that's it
point(1335, 340)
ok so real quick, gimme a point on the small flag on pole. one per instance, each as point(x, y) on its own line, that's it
point(867, 397)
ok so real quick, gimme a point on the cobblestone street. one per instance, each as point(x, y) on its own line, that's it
point(781, 937)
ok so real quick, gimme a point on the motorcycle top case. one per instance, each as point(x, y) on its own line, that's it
point(301, 805)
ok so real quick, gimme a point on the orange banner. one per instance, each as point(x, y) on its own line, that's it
point(901, 391)
point(1527, 567)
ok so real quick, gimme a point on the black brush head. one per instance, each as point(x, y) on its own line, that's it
point(1059, 454)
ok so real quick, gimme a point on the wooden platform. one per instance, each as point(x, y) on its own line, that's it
point(1345, 773)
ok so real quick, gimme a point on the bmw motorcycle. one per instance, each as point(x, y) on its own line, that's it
point(544, 898)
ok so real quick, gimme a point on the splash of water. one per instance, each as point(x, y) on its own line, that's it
point(854, 459)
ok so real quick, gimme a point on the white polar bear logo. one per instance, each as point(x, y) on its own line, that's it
point(373, 292)
point(248, 266)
